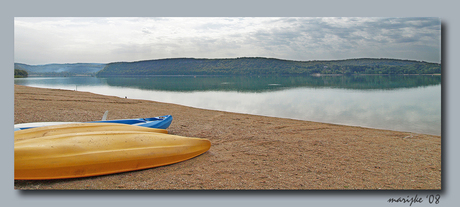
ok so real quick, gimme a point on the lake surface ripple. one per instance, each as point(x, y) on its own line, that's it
point(401, 103)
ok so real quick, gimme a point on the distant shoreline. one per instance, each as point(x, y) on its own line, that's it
point(315, 75)
point(38, 75)
point(238, 66)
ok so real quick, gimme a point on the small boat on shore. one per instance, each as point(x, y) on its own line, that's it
point(92, 149)
point(71, 128)
point(159, 122)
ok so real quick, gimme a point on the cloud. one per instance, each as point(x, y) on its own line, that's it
point(45, 40)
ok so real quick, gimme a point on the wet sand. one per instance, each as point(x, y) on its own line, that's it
point(248, 152)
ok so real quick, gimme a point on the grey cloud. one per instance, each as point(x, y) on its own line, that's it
point(310, 36)
point(146, 31)
point(289, 38)
point(396, 28)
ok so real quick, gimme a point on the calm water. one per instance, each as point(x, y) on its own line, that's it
point(402, 103)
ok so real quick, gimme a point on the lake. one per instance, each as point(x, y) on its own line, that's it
point(400, 102)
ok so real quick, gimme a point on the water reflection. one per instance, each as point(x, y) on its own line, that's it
point(62, 81)
point(402, 103)
point(271, 83)
point(243, 83)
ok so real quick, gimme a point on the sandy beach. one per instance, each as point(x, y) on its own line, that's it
point(248, 152)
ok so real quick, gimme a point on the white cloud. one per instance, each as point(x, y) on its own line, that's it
point(46, 40)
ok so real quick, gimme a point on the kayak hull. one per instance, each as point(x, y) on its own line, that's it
point(75, 155)
point(162, 122)
point(52, 130)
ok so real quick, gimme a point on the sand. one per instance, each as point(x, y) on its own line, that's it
point(248, 152)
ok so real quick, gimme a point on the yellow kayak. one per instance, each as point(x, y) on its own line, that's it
point(78, 128)
point(74, 155)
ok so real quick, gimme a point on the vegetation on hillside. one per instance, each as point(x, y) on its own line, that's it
point(18, 73)
point(267, 66)
point(67, 69)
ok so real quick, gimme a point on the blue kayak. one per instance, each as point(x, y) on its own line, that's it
point(159, 122)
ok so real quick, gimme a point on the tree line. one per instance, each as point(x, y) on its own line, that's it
point(18, 73)
point(267, 66)
point(66, 69)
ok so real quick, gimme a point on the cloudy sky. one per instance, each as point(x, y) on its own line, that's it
point(103, 40)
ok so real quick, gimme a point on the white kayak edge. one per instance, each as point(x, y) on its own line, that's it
point(39, 124)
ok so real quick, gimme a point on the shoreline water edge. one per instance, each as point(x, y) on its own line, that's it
point(247, 152)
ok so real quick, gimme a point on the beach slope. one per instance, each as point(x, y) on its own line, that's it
point(247, 152)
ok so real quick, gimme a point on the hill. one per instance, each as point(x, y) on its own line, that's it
point(266, 66)
point(18, 73)
point(68, 69)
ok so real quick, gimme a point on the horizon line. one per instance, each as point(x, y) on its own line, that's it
point(227, 58)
